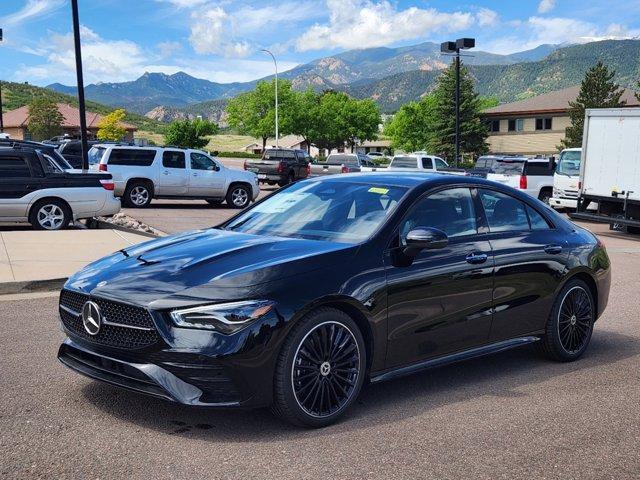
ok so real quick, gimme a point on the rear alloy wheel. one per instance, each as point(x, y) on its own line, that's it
point(138, 195)
point(570, 324)
point(50, 215)
point(320, 370)
point(238, 196)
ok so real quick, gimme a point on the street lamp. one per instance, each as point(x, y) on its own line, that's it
point(454, 48)
point(81, 105)
point(276, 65)
point(1, 119)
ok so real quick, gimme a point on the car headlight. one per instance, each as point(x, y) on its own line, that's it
point(222, 317)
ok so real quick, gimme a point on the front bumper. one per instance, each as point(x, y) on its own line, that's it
point(570, 203)
point(271, 177)
point(173, 381)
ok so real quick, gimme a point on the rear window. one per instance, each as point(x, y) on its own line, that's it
point(339, 159)
point(95, 155)
point(12, 167)
point(131, 157)
point(273, 154)
point(538, 169)
point(404, 162)
point(507, 167)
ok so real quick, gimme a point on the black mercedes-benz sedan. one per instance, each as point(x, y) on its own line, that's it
point(332, 282)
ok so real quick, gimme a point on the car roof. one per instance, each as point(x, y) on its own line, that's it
point(410, 179)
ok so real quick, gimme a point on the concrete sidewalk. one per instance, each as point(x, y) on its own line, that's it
point(32, 256)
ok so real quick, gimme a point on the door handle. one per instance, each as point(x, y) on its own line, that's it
point(194, 174)
point(166, 172)
point(553, 249)
point(475, 258)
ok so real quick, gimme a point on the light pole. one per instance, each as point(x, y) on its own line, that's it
point(454, 48)
point(276, 65)
point(81, 105)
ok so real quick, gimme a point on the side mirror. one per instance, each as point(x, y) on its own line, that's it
point(424, 238)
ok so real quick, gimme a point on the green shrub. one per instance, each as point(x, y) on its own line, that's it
point(237, 155)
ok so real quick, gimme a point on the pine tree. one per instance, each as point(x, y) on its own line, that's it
point(598, 90)
point(473, 131)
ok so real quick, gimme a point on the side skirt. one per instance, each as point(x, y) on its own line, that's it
point(453, 358)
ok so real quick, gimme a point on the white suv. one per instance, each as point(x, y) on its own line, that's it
point(143, 173)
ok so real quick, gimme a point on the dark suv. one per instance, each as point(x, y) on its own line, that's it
point(72, 151)
point(280, 166)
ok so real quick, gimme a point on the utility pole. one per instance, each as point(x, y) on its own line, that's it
point(81, 104)
point(454, 48)
point(276, 65)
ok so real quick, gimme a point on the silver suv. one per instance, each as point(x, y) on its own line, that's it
point(143, 173)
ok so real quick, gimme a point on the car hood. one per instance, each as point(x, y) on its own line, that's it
point(204, 264)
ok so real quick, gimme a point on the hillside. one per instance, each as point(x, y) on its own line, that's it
point(15, 95)
point(562, 68)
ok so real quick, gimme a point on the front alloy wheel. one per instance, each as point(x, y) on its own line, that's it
point(238, 196)
point(320, 369)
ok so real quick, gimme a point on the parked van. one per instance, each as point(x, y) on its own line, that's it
point(141, 174)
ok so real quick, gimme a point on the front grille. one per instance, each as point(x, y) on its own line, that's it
point(124, 326)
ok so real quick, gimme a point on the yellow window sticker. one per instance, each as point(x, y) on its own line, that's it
point(380, 190)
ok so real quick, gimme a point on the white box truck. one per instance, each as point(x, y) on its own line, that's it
point(610, 168)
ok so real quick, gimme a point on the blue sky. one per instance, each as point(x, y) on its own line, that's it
point(221, 40)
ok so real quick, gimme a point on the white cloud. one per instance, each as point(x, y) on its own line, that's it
point(487, 17)
point(209, 34)
point(31, 10)
point(184, 3)
point(166, 49)
point(365, 23)
point(546, 6)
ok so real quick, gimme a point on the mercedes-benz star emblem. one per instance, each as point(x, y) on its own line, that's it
point(91, 318)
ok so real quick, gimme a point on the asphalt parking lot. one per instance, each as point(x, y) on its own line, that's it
point(512, 415)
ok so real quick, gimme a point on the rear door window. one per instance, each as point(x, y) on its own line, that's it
point(173, 159)
point(427, 163)
point(132, 157)
point(14, 167)
point(504, 213)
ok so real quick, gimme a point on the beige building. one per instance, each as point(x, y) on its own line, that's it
point(16, 123)
point(535, 125)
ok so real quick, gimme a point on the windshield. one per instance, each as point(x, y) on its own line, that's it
point(95, 155)
point(334, 211)
point(569, 163)
point(404, 162)
point(507, 168)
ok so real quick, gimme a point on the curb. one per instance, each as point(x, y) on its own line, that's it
point(102, 225)
point(31, 286)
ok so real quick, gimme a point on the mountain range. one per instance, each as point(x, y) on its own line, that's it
point(390, 76)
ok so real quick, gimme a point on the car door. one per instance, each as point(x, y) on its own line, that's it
point(530, 258)
point(440, 302)
point(205, 179)
point(17, 181)
point(173, 178)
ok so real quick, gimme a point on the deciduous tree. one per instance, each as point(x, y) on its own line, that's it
point(189, 133)
point(45, 120)
point(110, 127)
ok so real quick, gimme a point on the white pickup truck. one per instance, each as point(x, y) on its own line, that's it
point(343, 163)
point(422, 162)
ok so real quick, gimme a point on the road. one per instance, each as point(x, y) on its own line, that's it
point(512, 415)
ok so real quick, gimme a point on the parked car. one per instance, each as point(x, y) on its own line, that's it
point(486, 164)
point(331, 283)
point(47, 148)
point(280, 166)
point(344, 163)
point(36, 187)
point(71, 150)
point(424, 162)
point(531, 175)
point(141, 174)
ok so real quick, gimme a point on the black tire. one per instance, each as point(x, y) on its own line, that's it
point(633, 230)
point(238, 196)
point(319, 397)
point(213, 203)
point(290, 178)
point(138, 194)
point(570, 324)
point(50, 214)
point(545, 196)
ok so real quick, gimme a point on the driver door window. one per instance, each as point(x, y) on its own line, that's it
point(202, 162)
point(449, 210)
